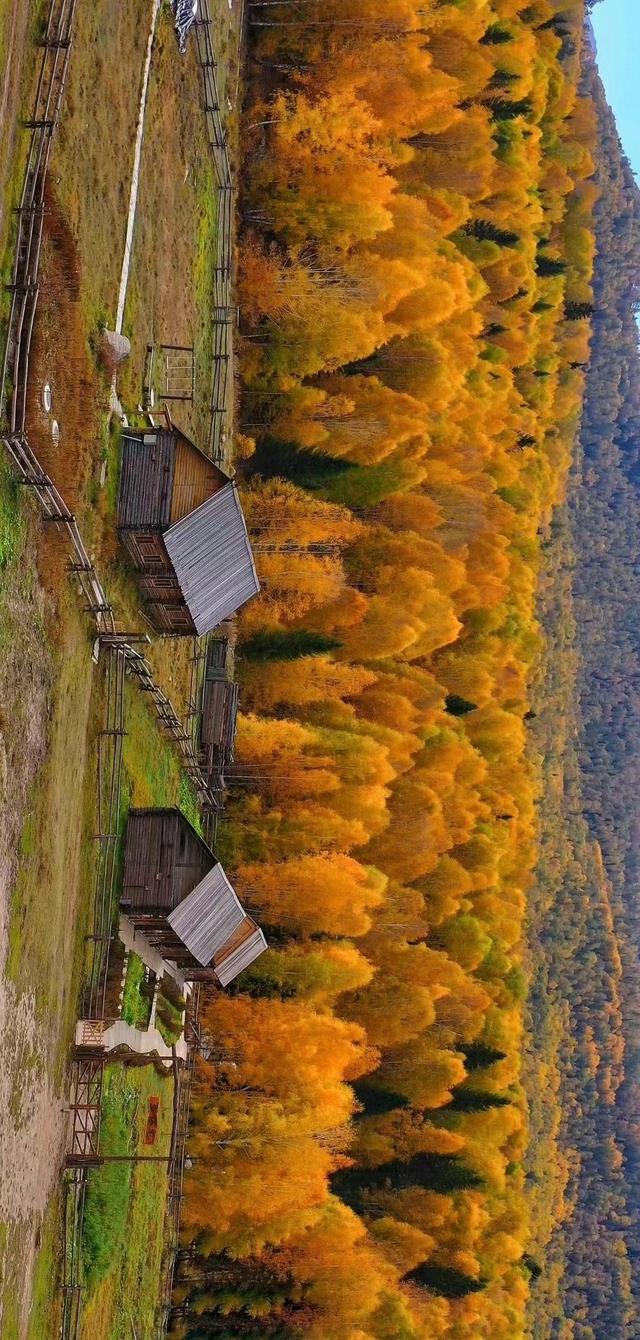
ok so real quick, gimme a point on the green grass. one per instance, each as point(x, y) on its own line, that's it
point(123, 1238)
point(168, 1020)
point(8, 1291)
point(45, 1299)
point(44, 1309)
point(188, 802)
point(153, 774)
point(109, 1189)
point(136, 1007)
point(93, 150)
point(171, 282)
point(111, 452)
point(12, 520)
point(45, 935)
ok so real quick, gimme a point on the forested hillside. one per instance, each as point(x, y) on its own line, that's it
point(416, 261)
point(585, 1001)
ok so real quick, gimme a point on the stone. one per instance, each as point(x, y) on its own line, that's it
point(115, 348)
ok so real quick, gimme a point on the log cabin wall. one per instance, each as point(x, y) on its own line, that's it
point(146, 550)
point(192, 862)
point(195, 478)
point(161, 587)
point(173, 620)
point(164, 861)
point(149, 859)
point(146, 480)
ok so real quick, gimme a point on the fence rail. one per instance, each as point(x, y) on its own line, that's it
point(177, 1166)
point(24, 287)
point(74, 1194)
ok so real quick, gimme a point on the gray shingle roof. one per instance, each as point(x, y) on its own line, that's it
point(207, 918)
point(212, 559)
point(242, 956)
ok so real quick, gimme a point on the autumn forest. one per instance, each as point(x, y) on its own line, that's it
point(415, 1117)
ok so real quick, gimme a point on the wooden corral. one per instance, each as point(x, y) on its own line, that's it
point(176, 894)
point(180, 520)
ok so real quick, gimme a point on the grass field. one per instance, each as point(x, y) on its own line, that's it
point(17, 64)
point(135, 1006)
point(50, 707)
point(92, 155)
point(124, 1230)
point(171, 277)
point(152, 771)
point(171, 280)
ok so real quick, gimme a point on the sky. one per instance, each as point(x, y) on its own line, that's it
point(617, 32)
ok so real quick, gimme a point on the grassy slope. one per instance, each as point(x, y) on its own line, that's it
point(92, 156)
point(17, 19)
point(124, 1222)
point(171, 278)
point(46, 731)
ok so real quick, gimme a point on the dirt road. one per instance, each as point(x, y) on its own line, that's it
point(45, 697)
point(16, 56)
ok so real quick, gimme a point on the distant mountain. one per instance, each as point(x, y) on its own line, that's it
point(585, 926)
point(590, 52)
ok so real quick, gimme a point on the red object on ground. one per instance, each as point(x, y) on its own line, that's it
point(151, 1131)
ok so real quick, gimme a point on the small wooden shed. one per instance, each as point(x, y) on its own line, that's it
point(218, 709)
point(176, 893)
point(180, 520)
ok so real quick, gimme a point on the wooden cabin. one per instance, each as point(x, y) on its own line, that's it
point(176, 893)
point(218, 709)
point(181, 523)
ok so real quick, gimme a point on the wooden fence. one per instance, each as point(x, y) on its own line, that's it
point(74, 1195)
point(176, 1171)
point(56, 45)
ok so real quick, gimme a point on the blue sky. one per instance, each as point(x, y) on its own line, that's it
point(617, 28)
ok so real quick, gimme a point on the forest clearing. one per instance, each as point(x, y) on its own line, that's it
point(317, 940)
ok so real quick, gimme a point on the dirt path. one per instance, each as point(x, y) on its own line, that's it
point(32, 1133)
point(44, 729)
point(14, 17)
point(9, 59)
point(27, 1157)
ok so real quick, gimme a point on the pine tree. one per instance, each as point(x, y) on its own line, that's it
point(473, 1100)
point(376, 1101)
point(433, 1172)
point(486, 231)
point(276, 644)
point(457, 706)
point(496, 35)
point(547, 267)
point(477, 1055)
point(443, 1280)
point(578, 311)
point(311, 470)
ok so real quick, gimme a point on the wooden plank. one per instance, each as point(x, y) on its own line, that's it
point(195, 478)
